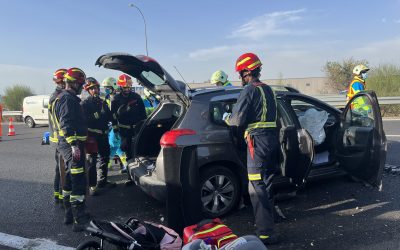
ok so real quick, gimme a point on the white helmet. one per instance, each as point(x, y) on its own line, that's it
point(219, 76)
point(109, 82)
point(359, 69)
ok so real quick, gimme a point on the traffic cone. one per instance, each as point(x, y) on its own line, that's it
point(11, 130)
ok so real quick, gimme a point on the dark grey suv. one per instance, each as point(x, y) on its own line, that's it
point(186, 134)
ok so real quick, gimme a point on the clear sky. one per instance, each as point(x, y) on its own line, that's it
point(293, 38)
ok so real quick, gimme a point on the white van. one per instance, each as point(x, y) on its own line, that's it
point(35, 110)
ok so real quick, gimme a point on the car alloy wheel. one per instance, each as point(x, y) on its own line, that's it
point(219, 191)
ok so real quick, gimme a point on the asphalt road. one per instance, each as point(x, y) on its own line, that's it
point(330, 214)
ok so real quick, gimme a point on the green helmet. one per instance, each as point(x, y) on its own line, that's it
point(109, 82)
point(219, 76)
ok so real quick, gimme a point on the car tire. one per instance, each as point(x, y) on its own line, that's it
point(219, 190)
point(30, 122)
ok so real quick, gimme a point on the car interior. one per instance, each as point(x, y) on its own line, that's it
point(162, 120)
point(324, 133)
point(324, 150)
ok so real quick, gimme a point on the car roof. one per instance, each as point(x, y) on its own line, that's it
point(213, 91)
point(202, 91)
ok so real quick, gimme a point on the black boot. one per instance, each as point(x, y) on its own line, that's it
point(68, 216)
point(81, 218)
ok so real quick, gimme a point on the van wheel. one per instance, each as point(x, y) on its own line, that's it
point(220, 191)
point(30, 122)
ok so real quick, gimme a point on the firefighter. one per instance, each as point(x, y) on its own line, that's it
point(256, 110)
point(128, 109)
point(110, 88)
point(71, 125)
point(98, 115)
point(58, 78)
point(220, 78)
point(360, 73)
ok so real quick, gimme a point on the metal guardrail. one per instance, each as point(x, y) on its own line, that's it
point(334, 100)
point(340, 100)
point(12, 113)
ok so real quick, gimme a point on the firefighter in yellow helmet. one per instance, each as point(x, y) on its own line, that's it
point(220, 78)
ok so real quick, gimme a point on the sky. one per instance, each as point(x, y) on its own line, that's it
point(292, 38)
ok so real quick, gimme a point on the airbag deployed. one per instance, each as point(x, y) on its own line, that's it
point(313, 121)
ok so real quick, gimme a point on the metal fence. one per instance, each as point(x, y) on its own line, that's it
point(334, 100)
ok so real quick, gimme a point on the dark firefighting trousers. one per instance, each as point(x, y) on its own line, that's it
point(126, 144)
point(126, 141)
point(57, 181)
point(262, 164)
point(75, 179)
point(99, 160)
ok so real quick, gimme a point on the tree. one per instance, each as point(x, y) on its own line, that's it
point(13, 96)
point(340, 74)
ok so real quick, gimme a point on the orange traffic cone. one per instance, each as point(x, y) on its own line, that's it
point(11, 130)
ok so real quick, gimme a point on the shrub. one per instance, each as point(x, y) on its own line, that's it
point(15, 95)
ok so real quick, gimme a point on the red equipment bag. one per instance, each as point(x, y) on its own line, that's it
point(213, 232)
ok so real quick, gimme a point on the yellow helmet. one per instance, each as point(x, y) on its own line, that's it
point(359, 69)
point(219, 76)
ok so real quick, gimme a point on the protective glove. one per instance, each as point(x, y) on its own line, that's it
point(226, 116)
point(76, 153)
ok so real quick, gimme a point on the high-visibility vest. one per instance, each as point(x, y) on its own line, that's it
point(351, 92)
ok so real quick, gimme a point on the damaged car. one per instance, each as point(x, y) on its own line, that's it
point(186, 133)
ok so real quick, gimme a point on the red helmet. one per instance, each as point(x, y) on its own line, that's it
point(247, 61)
point(91, 82)
point(75, 75)
point(58, 76)
point(124, 81)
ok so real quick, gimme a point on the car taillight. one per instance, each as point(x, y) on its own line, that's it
point(168, 140)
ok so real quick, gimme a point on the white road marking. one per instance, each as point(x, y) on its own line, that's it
point(18, 242)
point(390, 119)
point(392, 135)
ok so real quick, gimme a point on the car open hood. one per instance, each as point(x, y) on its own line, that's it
point(148, 73)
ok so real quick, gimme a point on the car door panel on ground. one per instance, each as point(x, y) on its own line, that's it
point(361, 142)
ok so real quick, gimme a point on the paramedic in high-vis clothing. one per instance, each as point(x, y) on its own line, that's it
point(71, 125)
point(58, 78)
point(358, 84)
point(220, 78)
point(256, 110)
point(110, 89)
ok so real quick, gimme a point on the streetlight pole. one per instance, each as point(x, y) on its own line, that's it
point(144, 21)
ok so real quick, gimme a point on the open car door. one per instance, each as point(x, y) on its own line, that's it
point(297, 150)
point(361, 141)
point(147, 71)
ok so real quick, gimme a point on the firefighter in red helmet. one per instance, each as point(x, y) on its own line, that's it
point(128, 109)
point(58, 79)
point(256, 110)
point(98, 115)
point(70, 121)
